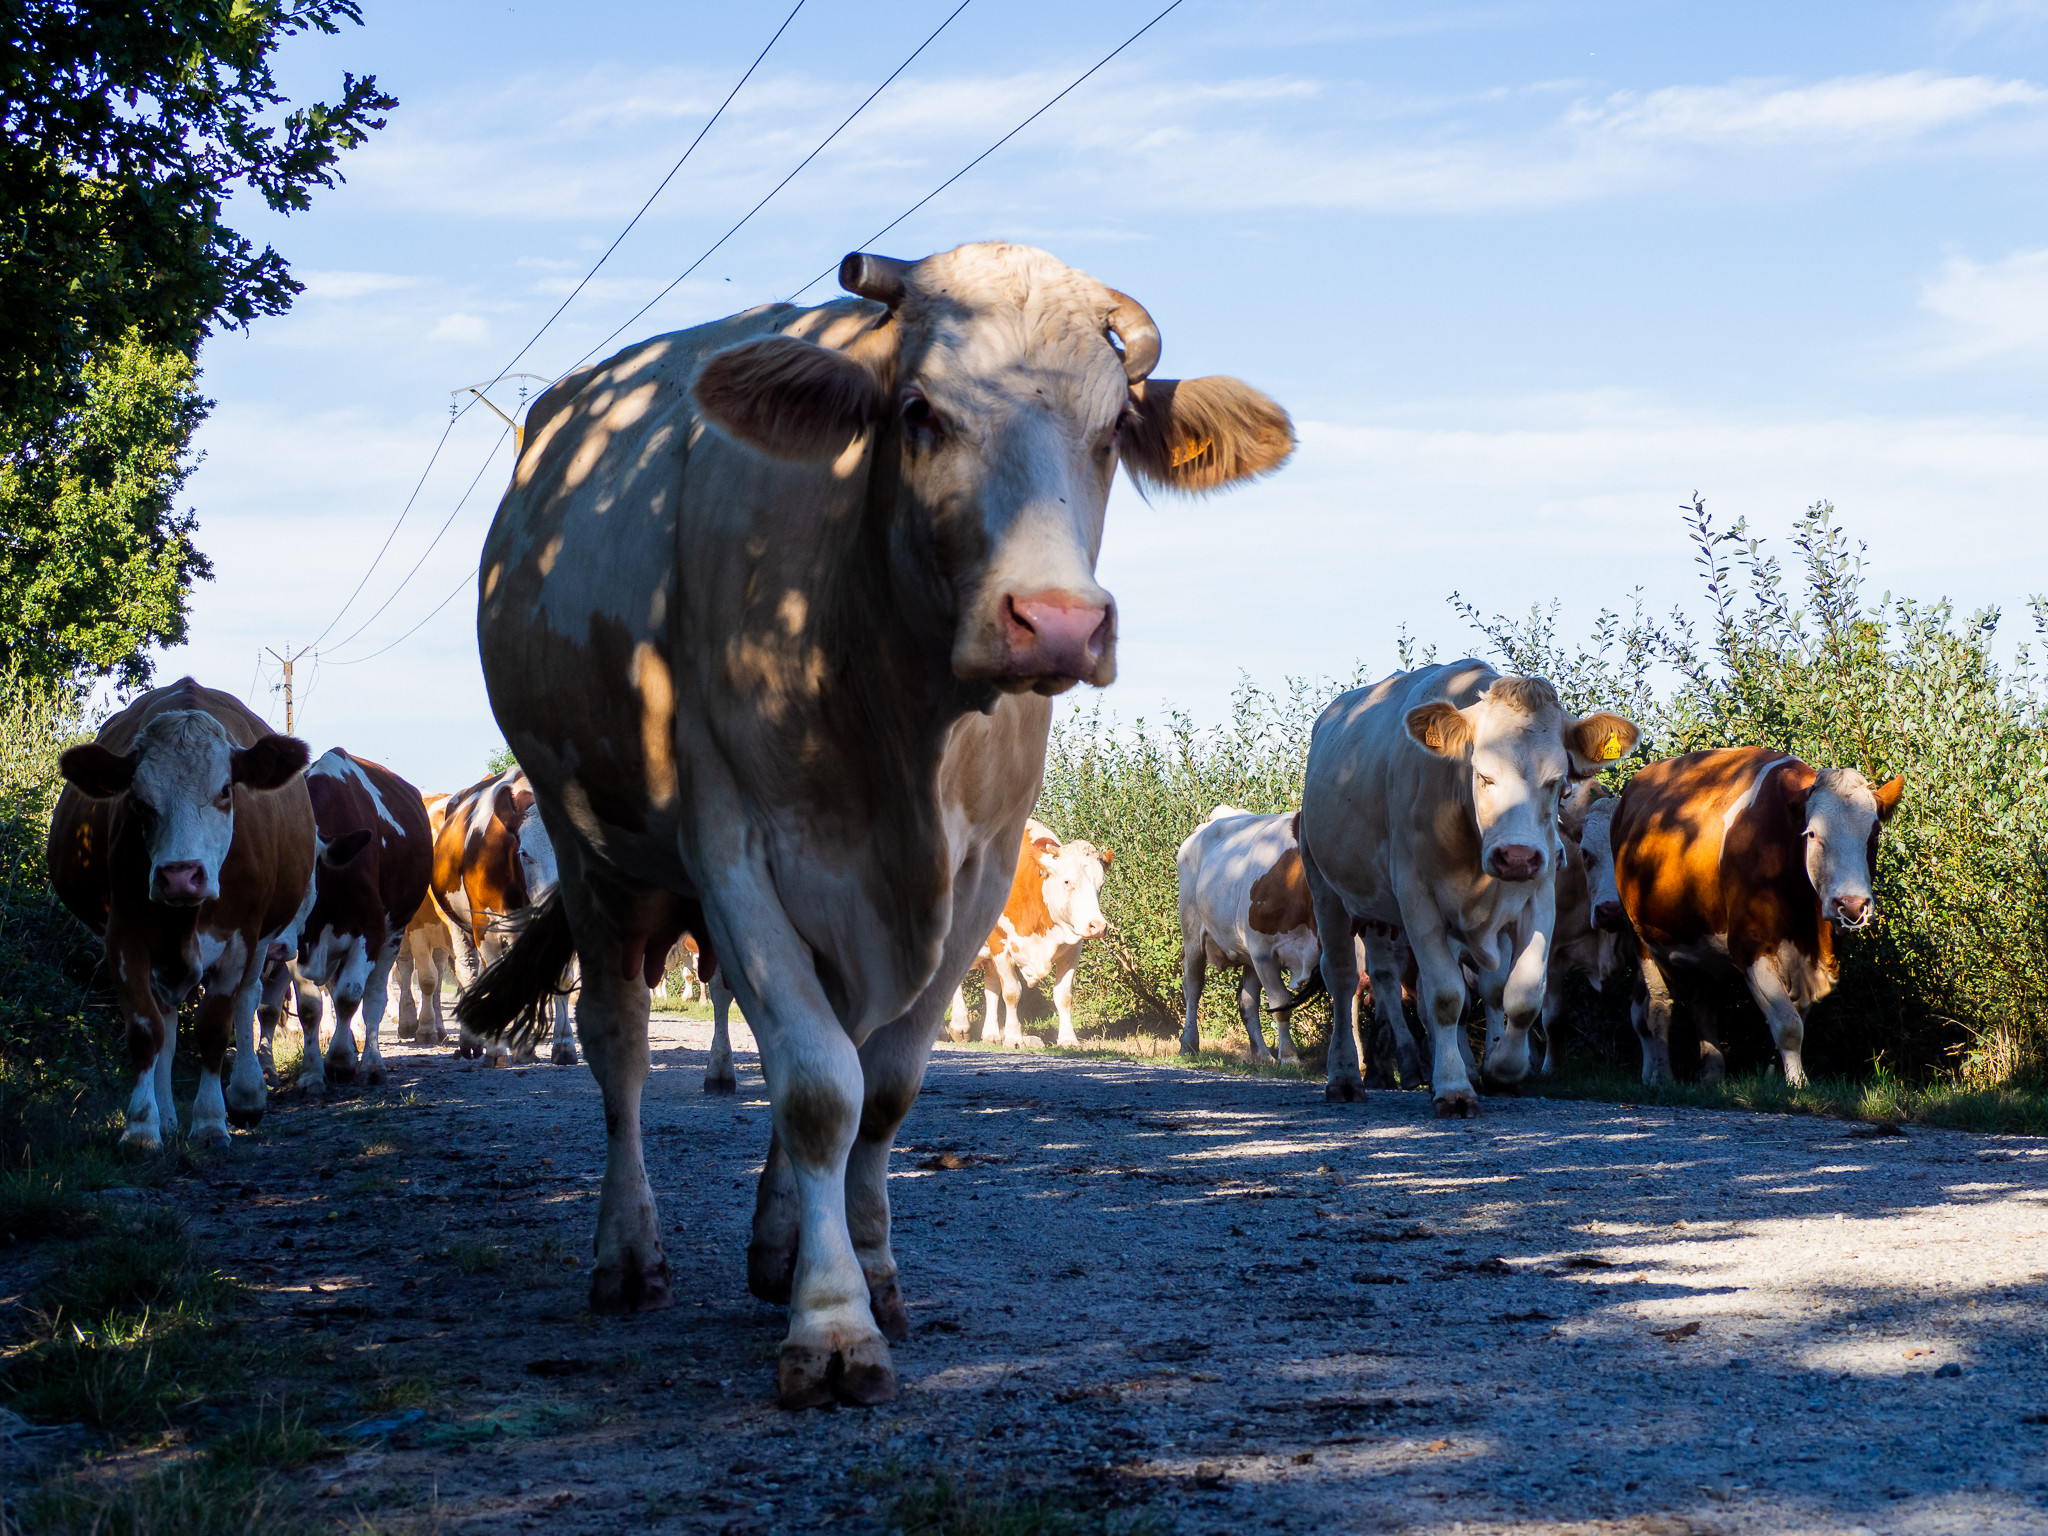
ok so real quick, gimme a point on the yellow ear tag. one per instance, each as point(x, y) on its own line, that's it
point(1188, 452)
point(1610, 749)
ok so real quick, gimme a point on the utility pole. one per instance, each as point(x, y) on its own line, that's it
point(286, 661)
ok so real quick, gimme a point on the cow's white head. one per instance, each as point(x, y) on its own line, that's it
point(1844, 818)
point(1001, 389)
point(179, 782)
point(514, 804)
point(1596, 849)
point(1521, 749)
point(1074, 873)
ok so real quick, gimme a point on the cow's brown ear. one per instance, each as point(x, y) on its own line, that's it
point(1108, 858)
point(795, 399)
point(1888, 794)
point(1598, 739)
point(345, 848)
point(505, 806)
point(95, 771)
point(269, 762)
point(1441, 729)
point(1197, 435)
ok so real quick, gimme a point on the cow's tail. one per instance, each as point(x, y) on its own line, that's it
point(1313, 987)
point(512, 1000)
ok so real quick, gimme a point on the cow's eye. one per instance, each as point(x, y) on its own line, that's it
point(920, 421)
point(1484, 781)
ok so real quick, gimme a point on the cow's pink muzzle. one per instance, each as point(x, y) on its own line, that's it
point(182, 884)
point(1053, 635)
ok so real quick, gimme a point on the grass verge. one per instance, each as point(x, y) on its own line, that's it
point(944, 1504)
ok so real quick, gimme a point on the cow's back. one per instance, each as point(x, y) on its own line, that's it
point(407, 839)
point(269, 862)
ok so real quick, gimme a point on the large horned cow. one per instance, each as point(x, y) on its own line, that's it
point(771, 614)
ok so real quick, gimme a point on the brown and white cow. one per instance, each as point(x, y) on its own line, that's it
point(184, 838)
point(493, 858)
point(376, 853)
point(1055, 907)
point(814, 741)
point(1244, 902)
point(1745, 858)
point(1430, 811)
point(695, 978)
point(428, 958)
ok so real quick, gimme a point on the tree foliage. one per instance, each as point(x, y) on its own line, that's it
point(125, 126)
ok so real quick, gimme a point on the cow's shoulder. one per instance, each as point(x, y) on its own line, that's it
point(1279, 898)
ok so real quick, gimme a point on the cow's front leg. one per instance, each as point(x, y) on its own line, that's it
point(1248, 1010)
point(956, 1015)
point(247, 1094)
point(1339, 965)
point(312, 1072)
point(719, 1076)
point(1063, 995)
point(1518, 994)
point(892, 1069)
point(375, 995)
point(276, 983)
point(1786, 1018)
point(1440, 990)
point(1553, 1021)
point(211, 1031)
point(408, 1013)
point(991, 1006)
point(427, 964)
point(1651, 1015)
point(1385, 959)
point(151, 1120)
point(1271, 982)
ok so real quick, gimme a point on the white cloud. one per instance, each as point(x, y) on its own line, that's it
point(464, 330)
point(352, 285)
point(1993, 308)
point(1852, 108)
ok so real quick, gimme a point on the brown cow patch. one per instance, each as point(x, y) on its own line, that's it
point(1280, 901)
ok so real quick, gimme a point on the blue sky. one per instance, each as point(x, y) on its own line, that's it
point(1527, 276)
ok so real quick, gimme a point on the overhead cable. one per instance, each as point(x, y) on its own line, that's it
point(807, 159)
point(459, 586)
point(999, 143)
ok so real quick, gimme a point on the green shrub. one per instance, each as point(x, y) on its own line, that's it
point(1955, 975)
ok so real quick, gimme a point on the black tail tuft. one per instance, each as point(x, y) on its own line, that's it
point(511, 1000)
point(1313, 987)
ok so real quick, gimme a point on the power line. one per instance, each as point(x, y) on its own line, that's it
point(999, 143)
point(432, 459)
point(458, 415)
point(658, 190)
point(807, 159)
point(353, 661)
point(446, 523)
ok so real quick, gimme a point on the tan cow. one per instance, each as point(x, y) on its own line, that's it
point(1055, 907)
point(184, 838)
point(1745, 859)
point(814, 741)
point(428, 958)
point(1429, 817)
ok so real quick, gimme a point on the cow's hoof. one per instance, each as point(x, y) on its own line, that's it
point(375, 1077)
point(340, 1071)
point(142, 1143)
point(564, 1056)
point(1457, 1106)
point(498, 1061)
point(725, 1084)
point(244, 1119)
point(214, 1138)
point(891, 1315)
point(1344, 1090)
point(809, 1376)
point(959, 1036)
point(770, 1272)
point(468, 1052)
point(313, 1087)
point(408, 1032)
point(631, 1287)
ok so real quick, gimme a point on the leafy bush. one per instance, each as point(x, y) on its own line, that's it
point(56, 1020)
point(1956, 973)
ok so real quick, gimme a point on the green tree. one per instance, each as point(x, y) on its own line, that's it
point(500, 760)
point(124, 127)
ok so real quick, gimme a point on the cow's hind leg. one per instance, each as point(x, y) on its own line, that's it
point(376, 992)
point(408, 1012)
point(1384, 960)
point(1248, 1010)
point(778, 1223)
point(892, 1068)
point(277, 981)
point(1713, 1065)
point(312, 1073)
point(1194, 970)
point(719, 1076)
point(564, 1053)
point(1346, 1084)
point(1651, 1014)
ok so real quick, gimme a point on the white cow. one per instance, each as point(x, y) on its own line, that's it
point(1055, 907)
point(1243, 903)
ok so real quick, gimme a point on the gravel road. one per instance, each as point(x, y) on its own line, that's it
point(1213, 1299)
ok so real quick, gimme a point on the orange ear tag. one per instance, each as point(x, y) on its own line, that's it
point(1187, 453)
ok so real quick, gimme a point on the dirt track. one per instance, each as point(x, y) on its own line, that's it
point(1212, 1298)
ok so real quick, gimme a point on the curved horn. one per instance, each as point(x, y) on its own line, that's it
point(873, 277)
point(1129, 323)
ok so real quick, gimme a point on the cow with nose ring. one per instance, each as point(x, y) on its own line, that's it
point(1429, 819)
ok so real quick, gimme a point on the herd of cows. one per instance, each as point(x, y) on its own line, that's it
point(771, 615)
